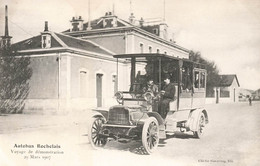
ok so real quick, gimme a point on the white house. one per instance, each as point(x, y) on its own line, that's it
point(228, 89)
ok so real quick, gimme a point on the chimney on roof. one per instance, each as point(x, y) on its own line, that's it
point(77, 23)
point(131, 18)
point(89, 21)
point(109, 20)
point(163, 31)
point(46, 26)
point(6, 39)
point(141, 22)
point(46, 36)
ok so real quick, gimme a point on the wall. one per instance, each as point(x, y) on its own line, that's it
point(44, 81)
point(55, 76)
point(43, 92)
point(135, 39)
point(92, 67)
point(115, 43)
point(234, 86)
point(129, 42)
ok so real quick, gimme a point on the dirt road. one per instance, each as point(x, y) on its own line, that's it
point(231, 138)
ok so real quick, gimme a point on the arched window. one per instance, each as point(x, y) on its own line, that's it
point(115, 84)
point(83, 83)
point(99, 89)
point(141, 47)
point(150, 49)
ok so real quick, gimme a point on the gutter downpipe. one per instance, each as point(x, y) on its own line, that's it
point(59, 74)
point(117, 74)
point(160, 74)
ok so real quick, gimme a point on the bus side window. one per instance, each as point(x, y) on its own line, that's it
point(186, 78)
point(196, 79)
point(202, 80)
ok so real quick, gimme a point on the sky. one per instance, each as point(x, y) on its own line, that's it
point(224, 31)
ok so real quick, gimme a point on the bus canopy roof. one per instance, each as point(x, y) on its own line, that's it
point(156, 55)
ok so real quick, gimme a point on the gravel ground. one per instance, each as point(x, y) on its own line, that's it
point(231, 138)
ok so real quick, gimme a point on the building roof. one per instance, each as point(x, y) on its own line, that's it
point(99, 23)
point(34, 43)
point(60, 41)
point(112, 23)
point(227, 80)
point(82, 44)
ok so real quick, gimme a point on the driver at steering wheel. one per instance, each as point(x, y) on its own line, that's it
point(151, 87)
point(153, 90)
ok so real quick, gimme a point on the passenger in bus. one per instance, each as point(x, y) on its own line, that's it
point(196, 82)
point(168, 95)
point(186, 84)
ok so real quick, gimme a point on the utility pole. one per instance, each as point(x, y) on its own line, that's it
point(163, 10)
point(89, 21)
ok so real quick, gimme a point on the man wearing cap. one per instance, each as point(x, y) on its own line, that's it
point(168, 94)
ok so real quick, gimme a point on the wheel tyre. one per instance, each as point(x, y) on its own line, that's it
point(201, 126)
point(150, 135)
point(94, 130)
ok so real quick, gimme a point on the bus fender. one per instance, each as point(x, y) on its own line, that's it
point(96, 114)
point(193, 120)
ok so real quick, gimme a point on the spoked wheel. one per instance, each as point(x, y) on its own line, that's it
point(150, 135)
point(95, 136)
point(201, 126)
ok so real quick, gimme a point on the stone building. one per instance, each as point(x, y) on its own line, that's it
point(75, 69)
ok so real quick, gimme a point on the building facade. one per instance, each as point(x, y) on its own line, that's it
point(228, 89)
point(75, 69)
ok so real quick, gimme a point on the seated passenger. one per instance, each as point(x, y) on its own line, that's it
point(168, 94)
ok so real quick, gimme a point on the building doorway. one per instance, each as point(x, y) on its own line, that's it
point(99, 89)
point(234, 95)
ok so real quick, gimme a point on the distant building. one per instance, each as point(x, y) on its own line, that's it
point(228, 89)
point(244, 94)
point(256, 95)
point(75, 69)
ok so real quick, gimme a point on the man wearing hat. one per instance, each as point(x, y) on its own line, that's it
point(168, 94)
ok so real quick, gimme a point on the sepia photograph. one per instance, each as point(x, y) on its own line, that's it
point(127, 82)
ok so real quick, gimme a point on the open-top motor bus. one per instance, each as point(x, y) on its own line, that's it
point(136, 117)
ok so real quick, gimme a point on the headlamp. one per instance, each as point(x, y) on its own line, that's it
point(119, 96)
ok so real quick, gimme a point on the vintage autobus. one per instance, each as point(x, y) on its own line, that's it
point(136, 116)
